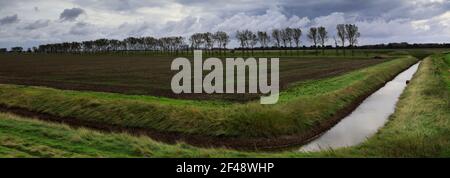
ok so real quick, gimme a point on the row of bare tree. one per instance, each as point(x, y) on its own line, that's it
point(208, 41)
point(287, 38)
point(165, 44)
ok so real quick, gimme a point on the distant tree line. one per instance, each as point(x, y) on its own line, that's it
point(209, 41)
point(290, 38)
point(287, 39)
point(405, 45)
point(164, 45)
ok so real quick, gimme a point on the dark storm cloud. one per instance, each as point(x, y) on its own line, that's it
point(387, 9)
point(9, 19)
point(121, 5)
point(37, 24)
point(71, 14)
point(364, 8)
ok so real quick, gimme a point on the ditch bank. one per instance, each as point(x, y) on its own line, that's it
point(366, 119)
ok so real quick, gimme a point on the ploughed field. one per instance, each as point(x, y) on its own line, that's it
point(304, 110)
point(148, 75)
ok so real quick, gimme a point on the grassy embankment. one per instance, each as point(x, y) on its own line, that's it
point(419, 128)
point(301, 108)
point(21, 137)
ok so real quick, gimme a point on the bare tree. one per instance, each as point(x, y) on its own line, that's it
point(336, 45)
point(342, 35)
point(323, 37)
point(150, 43)
point(313, 37)
point(263, 39)
point(240, 35)
point(276, 36)
point(216, 40)
point(222, 39)
point(290, 37)
point(196, 40)
point(209, 41)
point(352, 35)
point(178, 43)
point(297, 34)
point(252, 40)
point(285, 37)
point(225, 40)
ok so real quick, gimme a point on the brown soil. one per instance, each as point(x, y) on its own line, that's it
point(137, 75)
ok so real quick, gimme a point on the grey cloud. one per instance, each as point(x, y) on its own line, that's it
point(388, 9)
point(364, 8)
point(71, 14)
point(80, 28)
point(37, 24)
point(7, 4)
point(121, 5)
point(9, 19)
point(140, 29)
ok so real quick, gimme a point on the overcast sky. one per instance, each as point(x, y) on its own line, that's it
point(33, 22)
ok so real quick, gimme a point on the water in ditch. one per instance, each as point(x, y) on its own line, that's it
point(366, 119)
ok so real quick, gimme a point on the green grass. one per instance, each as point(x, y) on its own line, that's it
point(301, 108)
point(447, 72)
point(419, 128)
point(32, 138)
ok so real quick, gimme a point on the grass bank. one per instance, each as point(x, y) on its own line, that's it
point(302, 108)
point(20, 137)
